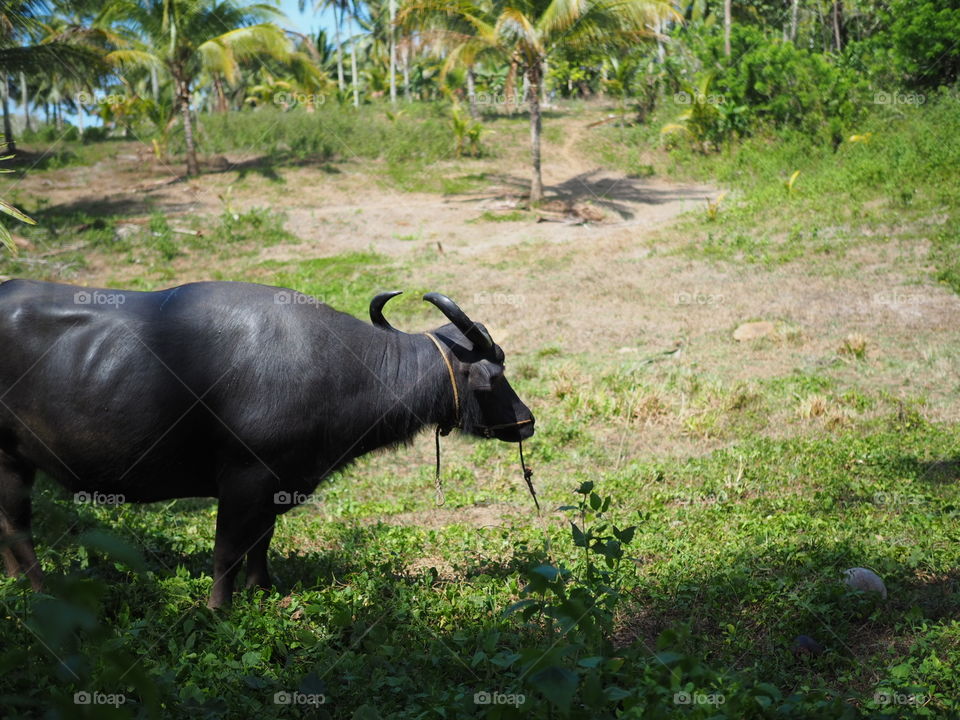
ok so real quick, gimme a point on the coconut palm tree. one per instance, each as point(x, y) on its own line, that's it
point(7, 209)
point(186, 37)
point(342, 9)
point(526, 32)
point(31, 46)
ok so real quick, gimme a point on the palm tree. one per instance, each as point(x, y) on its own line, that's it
point(526, 32)
point(7, 209)
point(30, 46)
point(186, 38)
point(341, 9)
point(727, 25)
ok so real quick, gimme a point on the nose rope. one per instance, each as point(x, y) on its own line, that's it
point(438, 484)
point(527, 476)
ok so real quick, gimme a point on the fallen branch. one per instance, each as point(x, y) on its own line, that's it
point(62, 249)
point(607, 119)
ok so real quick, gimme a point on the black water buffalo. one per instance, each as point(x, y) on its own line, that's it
point(247, 393)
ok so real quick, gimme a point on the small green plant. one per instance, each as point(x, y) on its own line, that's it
point(161, 237)
point(855, 346)
point(6, 208)
point(713, 207)
point(257, 225)
point(789, 184)
point(512, 216)
point(466, 132)
point(575, 608)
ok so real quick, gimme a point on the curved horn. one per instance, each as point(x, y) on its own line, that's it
point(376, 309)
point(477, 335)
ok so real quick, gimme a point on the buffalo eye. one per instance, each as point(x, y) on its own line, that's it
point(483, 375)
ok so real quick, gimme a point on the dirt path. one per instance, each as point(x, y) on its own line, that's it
point(348, 210)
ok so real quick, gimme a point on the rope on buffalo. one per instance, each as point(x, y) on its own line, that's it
point(439, 485)
point(527, 474)
point(528, 477)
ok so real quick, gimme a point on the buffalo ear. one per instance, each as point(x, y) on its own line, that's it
point(481, 374)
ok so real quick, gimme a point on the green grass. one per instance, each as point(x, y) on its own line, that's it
point(495, 217)
point(734, 554)
point(897, 186)
point(422, 132)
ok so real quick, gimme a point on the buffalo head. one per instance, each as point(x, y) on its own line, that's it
point(487, 405)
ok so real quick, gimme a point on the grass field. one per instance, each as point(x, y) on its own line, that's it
point(702, 496)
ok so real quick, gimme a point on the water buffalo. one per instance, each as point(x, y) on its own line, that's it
point(247, 393)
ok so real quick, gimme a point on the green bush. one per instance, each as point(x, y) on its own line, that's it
point(785, 86)
point(923, 35)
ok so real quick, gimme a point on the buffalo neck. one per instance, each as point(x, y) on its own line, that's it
point(412, 385)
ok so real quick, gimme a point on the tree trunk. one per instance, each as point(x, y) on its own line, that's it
point(406, 71)
point(341, 83)
point(25, 101)
point(543, 83)
point(7, 125)
point(353, 73)
point(183, 99)
point(794, 16)
point(510, 85)
point(393, 52)
point(154, 83)
point(824, 30)
point(727, 24)
point(837, 15)
point(472, 93)
point(221, 104)
point(533, 98)
point(58, 114)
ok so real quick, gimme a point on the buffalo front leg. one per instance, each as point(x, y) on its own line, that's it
point(16, 545)
point(258, 575)
point(245, 524)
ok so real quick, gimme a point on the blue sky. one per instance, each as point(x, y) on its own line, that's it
point(308, 21)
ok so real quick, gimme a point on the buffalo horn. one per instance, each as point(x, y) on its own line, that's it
point(474, 333)
point(376, 309)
